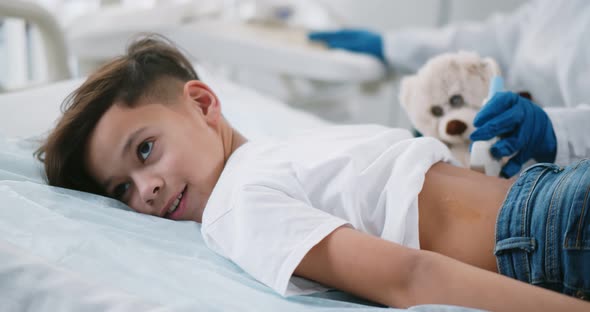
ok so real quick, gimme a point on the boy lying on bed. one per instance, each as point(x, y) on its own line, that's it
point(365, 209)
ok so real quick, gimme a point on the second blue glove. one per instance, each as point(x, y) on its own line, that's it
point(524, 129)
point(355, 40)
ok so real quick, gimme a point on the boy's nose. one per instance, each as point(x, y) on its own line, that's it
point(155, 191)
point(149, 188)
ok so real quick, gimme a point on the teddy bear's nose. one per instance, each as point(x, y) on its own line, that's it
point(456, 127)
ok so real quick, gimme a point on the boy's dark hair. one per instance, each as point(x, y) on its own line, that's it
point(150, 70)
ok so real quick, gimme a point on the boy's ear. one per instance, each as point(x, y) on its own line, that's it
point(198, 93)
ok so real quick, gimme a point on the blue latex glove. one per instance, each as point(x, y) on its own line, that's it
point(524, 129)
point(355, 40)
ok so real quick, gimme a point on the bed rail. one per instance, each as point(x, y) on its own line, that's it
point(51, 34)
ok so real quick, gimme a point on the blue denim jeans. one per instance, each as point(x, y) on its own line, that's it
point(543, 229)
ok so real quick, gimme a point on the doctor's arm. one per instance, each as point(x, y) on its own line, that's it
point(397, 276)
point(406, 50)
point(497, 37)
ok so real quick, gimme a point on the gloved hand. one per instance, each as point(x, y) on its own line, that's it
point(523, 127)
point(355, 40)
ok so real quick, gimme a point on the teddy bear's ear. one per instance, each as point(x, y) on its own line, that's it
point(491, 66)
point(406, 90)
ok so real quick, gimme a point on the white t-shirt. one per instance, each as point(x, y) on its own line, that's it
point(274, 201)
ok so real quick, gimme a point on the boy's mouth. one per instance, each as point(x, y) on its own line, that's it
point(174, 209)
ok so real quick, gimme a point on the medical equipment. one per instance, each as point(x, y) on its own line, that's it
point(481, 158)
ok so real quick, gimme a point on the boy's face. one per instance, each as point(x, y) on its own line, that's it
point(160, 159)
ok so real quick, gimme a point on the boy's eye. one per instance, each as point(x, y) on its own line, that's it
point(120, 190)
point(144, 150)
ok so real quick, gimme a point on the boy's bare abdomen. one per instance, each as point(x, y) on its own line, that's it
point(457, 210)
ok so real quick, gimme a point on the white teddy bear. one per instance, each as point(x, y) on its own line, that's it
point(444, 96)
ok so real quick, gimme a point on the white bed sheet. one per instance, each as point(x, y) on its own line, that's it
point(65, 250)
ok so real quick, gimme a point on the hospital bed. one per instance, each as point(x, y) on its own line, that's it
point(63, 250)
point(66, 250)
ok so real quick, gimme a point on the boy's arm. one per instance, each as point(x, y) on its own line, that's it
point(397, 276)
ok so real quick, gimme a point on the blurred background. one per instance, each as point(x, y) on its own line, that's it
point(257, 43)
